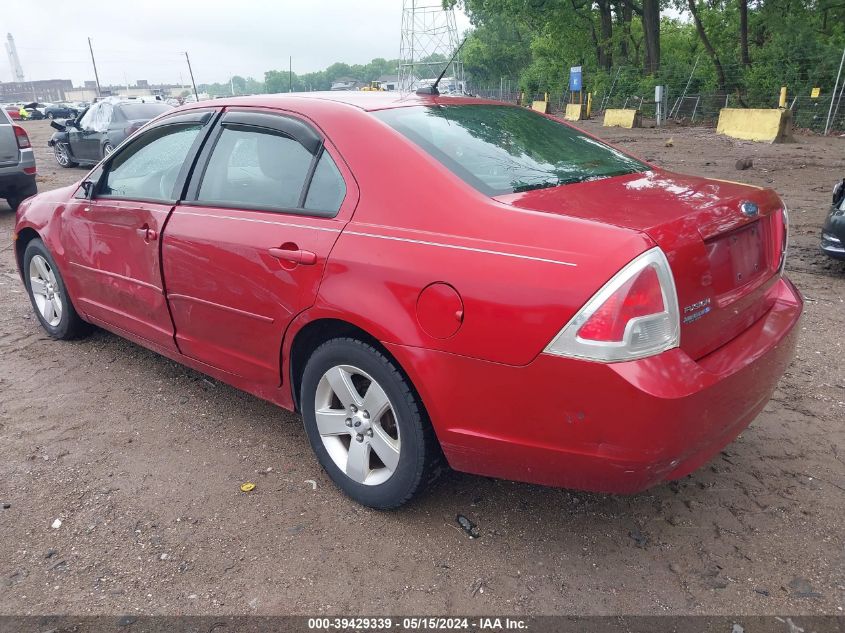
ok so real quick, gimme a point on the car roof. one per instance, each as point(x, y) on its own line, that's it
point(363, 99)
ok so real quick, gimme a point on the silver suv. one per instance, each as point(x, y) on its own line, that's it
point(17, 163)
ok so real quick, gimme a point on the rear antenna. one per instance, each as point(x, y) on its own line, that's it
point(432, 89)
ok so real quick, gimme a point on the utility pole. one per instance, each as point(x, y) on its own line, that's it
point(833, 94)
point(190, 70)
point(94, 63)
point(290, 73)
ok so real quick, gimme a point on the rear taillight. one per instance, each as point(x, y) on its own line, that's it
point(634, 315)
point(22, 138)
point(784, 238)
point(131, 129)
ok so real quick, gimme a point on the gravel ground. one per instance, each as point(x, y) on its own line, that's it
point(142, 459)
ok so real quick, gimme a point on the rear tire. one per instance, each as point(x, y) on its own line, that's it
point(373, 437)
point(14, 202)
point(48, 294)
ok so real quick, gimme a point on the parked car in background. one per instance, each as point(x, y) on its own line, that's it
point(426, 276)
point(17, 163)
point(88, 138)
point(833, 231)
point(60, 111)
point(34, 110)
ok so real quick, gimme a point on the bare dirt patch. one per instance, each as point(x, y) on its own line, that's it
point(142, 459)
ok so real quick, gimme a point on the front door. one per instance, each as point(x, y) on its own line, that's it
point(113, 240)
point(246, 251)
point(85, 144)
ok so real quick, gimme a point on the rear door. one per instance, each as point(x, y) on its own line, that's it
point(113, 240)
point(246, 250)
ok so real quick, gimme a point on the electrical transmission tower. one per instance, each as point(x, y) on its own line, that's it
point(429, 39)
point(14, 60)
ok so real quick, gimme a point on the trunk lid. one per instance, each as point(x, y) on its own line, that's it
point(724, 260)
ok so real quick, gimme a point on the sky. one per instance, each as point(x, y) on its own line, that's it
point(146, 39)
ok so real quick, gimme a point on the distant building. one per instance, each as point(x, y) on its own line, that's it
point(44, 90)
point(389, 82)
point(346, 83)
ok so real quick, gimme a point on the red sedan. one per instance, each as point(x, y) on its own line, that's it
point(431, 277)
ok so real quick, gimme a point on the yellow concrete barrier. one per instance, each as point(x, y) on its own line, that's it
point(768, 125)
point(541, 106)
point(623, 118)
point(574, 112)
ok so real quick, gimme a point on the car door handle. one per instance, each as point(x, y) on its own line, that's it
point(147, 233)
point(297, 255)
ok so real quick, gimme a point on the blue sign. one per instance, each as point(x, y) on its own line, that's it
point(575, 79)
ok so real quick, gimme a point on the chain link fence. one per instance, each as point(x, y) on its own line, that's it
point(628, 87)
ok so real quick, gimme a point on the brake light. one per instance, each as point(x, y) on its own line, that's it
point(21, 137)
point(783, 234)
point(633, 316)
point(131, 129)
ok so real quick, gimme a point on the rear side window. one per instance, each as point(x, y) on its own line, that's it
point(327, 189)
point(504, 149)
point(255, 168)
point(149, 167)
point(133, 111)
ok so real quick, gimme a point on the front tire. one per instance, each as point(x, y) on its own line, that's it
point(365, 424)
point(61, 152)
point(48, 294)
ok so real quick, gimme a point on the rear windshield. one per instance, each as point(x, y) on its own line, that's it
point(505, 149)
point(132, 111)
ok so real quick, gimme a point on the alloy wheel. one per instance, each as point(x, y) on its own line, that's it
point(45, 290)
point(357, 424)
point(61, 154)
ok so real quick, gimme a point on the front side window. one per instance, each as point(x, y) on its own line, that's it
point(149, 167)
point(504, 149)
point(255, 168)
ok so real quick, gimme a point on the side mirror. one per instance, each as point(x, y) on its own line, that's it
point(88, 188)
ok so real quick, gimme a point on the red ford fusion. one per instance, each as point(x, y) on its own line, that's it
point(429, 278)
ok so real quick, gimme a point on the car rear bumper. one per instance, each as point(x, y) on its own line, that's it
point(13, 181)
point(619, 427)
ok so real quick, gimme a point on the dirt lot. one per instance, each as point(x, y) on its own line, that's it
point(141, 459)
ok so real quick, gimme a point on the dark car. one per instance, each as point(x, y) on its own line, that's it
point(88, 138)
point(833, 231)
point(34, 110)
point(60, 111)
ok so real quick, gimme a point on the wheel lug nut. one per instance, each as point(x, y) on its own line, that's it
point(366, 415)
point(359, 437)
point(348, 421)
point(353, 408)
point(369, 432)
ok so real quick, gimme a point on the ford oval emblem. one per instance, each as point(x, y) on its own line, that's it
point(749, 209)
